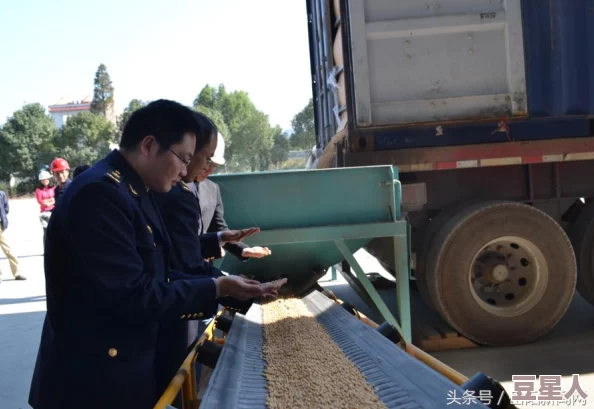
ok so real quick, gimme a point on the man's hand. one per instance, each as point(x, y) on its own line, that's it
point(238, 235)
point(256, 252)
point(271, 288)
point(242, 289)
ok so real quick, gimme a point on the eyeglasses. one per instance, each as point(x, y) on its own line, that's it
point(186, 162)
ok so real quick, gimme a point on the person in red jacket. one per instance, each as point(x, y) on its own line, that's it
point(45, 194)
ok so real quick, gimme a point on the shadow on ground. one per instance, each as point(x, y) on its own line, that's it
point(20, 257)
point(19, 337)
point(8, 301)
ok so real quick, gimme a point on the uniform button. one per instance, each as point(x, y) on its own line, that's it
point(155, 244)
point(200, 315)
point(113, 352)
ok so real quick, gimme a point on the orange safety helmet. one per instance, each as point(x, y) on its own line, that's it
point(59, 164)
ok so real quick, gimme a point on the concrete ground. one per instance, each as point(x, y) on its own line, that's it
point(564, 351)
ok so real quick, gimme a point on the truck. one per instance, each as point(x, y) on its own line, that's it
point(486, 107)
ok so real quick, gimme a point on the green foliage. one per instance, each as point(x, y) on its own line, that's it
point(207, 98)
point(103, 92)
point(280, 148)
point(85, 139)
point(123, 118)
point(218, 120)
point(5, 187)
point(305, 129)
point(249, 138)
point(252, 141)
point(26, 142)
point(29, 140)
point(26, 187)
point(294, 163)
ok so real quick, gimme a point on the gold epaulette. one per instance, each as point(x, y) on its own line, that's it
point(185, 187)
point(114, 175)
point(194, 316)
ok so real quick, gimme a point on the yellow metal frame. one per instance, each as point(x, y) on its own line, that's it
point(185, 378)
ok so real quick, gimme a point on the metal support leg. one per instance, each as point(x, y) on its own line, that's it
point(371, 291)
point(401, 261)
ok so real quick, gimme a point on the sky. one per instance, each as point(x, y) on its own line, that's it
point(155, 49)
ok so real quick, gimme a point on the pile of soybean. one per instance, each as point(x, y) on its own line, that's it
point(304, 367)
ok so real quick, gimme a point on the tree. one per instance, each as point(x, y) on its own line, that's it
point(305, 129)
point(280, 147)
point(26, 142)
point(252, 141)
point(85, 139)
point(102, 103)
point(123, 118)
point(216, 117)
point(249, 136)
point(207, 97)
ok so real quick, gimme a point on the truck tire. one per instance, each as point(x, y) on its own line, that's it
point(501, 273)
point(582, 238)
point(433, 227)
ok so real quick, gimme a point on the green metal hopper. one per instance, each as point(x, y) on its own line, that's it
point(314, 219)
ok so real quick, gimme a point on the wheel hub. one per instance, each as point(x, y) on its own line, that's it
point(508, 276)
point(500, 273)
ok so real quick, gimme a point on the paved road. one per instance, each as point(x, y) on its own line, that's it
point(22, 305)
point(565, 351)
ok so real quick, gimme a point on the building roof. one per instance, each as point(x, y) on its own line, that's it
point(63, 105)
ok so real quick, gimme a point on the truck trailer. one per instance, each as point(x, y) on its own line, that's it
point(486, 108)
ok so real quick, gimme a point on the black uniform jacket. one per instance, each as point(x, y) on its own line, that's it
point(180, 210)
point(109, 291)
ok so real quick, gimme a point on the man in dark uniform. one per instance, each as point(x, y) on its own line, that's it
point(180, 212)
point(108, 285)
point(212, 212)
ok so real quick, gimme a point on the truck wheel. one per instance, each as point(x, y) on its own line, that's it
point(501, 273)
point(434, 226)
point(582, 238)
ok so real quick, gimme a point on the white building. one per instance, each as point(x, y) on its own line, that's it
point(62, 110)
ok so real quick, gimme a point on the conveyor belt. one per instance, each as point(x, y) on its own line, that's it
point(399, 380)
point(238, 380)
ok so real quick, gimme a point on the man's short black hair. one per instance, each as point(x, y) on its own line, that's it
point(166, 120)
point(78, 170)
point(206, 130)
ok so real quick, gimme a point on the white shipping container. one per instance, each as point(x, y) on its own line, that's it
point(418, 61)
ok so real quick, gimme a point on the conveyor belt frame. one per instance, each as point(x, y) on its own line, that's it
point(398, 230)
